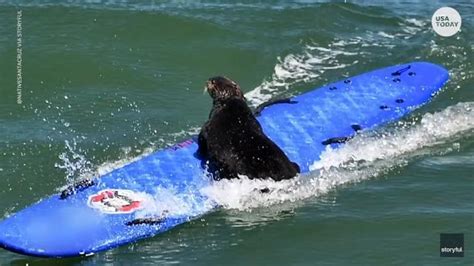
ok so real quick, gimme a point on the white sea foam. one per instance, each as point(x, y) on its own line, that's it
point(417, 22)
point(386, 35)
point(297, 68)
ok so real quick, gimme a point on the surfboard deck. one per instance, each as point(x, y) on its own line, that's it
point(164, 189)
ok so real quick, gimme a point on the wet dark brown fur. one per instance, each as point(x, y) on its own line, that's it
point(233, 141)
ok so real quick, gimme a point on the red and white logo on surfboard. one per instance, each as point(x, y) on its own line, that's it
point(116, 201)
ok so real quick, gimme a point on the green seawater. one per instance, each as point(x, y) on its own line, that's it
point(104, 82)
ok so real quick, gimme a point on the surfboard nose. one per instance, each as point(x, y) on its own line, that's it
point(422, 75)
point(27, 229)
point(30, 232)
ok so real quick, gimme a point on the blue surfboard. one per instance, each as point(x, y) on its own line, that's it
point(164, 189)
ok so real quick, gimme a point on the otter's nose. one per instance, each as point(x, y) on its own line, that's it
point(209, 86)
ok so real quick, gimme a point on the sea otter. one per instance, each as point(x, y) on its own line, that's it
point(233, 142)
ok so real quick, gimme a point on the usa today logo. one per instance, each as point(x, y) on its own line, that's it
point(446, 21)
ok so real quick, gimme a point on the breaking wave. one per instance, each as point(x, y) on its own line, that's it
point(298, 68)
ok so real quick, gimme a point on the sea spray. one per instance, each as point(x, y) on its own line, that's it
point(73, 162)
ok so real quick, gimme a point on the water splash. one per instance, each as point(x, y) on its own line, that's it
point(73, 162)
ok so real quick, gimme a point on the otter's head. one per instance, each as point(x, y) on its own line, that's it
point(221, 88)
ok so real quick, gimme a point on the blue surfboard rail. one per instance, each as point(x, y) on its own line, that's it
point(110, 211)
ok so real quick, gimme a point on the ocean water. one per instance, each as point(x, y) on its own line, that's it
point(106, 82)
